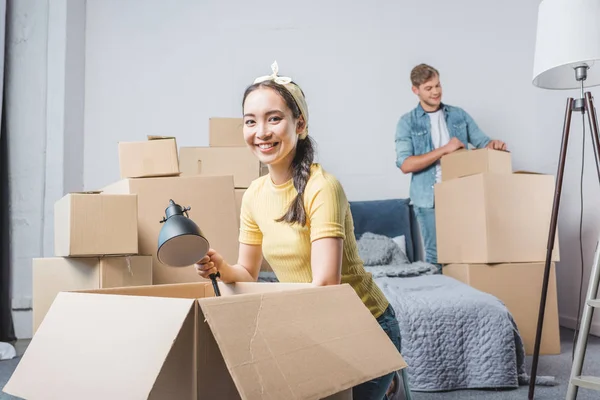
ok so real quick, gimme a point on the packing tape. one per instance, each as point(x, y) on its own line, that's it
point(129, 265)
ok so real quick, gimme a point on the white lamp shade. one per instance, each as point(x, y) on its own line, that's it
point(568, 34)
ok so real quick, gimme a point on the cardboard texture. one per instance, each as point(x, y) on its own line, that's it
point(470, 162)
point(492, 218)
point(236, 161)
point(226, 132)
point(56, 274)
point(259, 340)
point(519, 287)
point(156, 156)
point(212, 203)
point(95, 224)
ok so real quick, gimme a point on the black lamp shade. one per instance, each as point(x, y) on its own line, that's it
point(180, 241)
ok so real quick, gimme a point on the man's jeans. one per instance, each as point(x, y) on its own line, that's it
point(426, 219)
point(376, 389)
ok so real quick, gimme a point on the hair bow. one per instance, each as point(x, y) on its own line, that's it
point(282, 80)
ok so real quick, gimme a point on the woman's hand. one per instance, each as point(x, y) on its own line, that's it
point(211, 263)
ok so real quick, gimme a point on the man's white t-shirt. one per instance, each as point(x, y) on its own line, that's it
point(439, 136)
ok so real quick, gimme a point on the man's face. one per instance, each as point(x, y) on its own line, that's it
point(430, 92)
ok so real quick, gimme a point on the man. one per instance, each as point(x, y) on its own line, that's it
point(425, 134)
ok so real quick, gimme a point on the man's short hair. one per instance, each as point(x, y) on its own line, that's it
point(422, 73)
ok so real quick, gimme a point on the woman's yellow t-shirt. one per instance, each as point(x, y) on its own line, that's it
point(287, 247)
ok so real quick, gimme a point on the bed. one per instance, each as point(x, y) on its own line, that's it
point(453, 336)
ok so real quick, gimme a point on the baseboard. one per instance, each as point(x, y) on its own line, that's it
point(571, 323)
point(22, 317)
point(23, 324)
point(21, 304)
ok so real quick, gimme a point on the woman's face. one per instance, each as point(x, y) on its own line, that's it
point(270, 129)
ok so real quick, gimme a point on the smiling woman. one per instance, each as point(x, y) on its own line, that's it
point(298, 215)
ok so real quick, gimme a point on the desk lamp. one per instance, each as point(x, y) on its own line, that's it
point(181, 242)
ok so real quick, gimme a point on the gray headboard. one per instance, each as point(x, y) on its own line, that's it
point(392, 217)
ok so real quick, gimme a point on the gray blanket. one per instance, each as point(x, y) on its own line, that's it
point(453, 336)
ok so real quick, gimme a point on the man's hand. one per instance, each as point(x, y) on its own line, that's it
point(453, 145)
point(418, 163)
point(496, 145)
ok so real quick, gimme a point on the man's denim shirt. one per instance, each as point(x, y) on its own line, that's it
point(413, 138)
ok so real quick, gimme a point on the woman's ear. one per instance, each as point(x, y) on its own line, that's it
point(300, 125)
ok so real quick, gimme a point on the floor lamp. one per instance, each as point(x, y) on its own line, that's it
point(567, 56)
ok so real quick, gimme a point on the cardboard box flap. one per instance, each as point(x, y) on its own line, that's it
point(154, 137)
point(525, 172)
point(299, 344)
point(92, 346)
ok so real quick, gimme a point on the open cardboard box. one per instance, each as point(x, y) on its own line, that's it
point(179, 341)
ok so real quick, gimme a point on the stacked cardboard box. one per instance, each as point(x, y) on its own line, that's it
point(95, 246)
point(155, 157)
point(227, 153)
point(150, 170)
point(492, 232)
point(109, 238)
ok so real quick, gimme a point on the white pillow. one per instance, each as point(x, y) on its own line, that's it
point(401, 242)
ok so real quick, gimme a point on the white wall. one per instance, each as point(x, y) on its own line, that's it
point(44, 106)
point(156, 67)
point(26, 120)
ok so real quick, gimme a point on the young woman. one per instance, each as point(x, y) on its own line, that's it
point(297, 215)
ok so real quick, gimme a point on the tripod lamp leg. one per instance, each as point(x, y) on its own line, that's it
point(550, 245)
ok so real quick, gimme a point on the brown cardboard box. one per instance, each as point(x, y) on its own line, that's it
point(156, 156)
point(212, 203)
point(492, 218)
point(226, 132)
point(95, 224)
point(57, 274)
point(470, 162)
point(519, 287)
point(236, 161)
point(259, 340)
